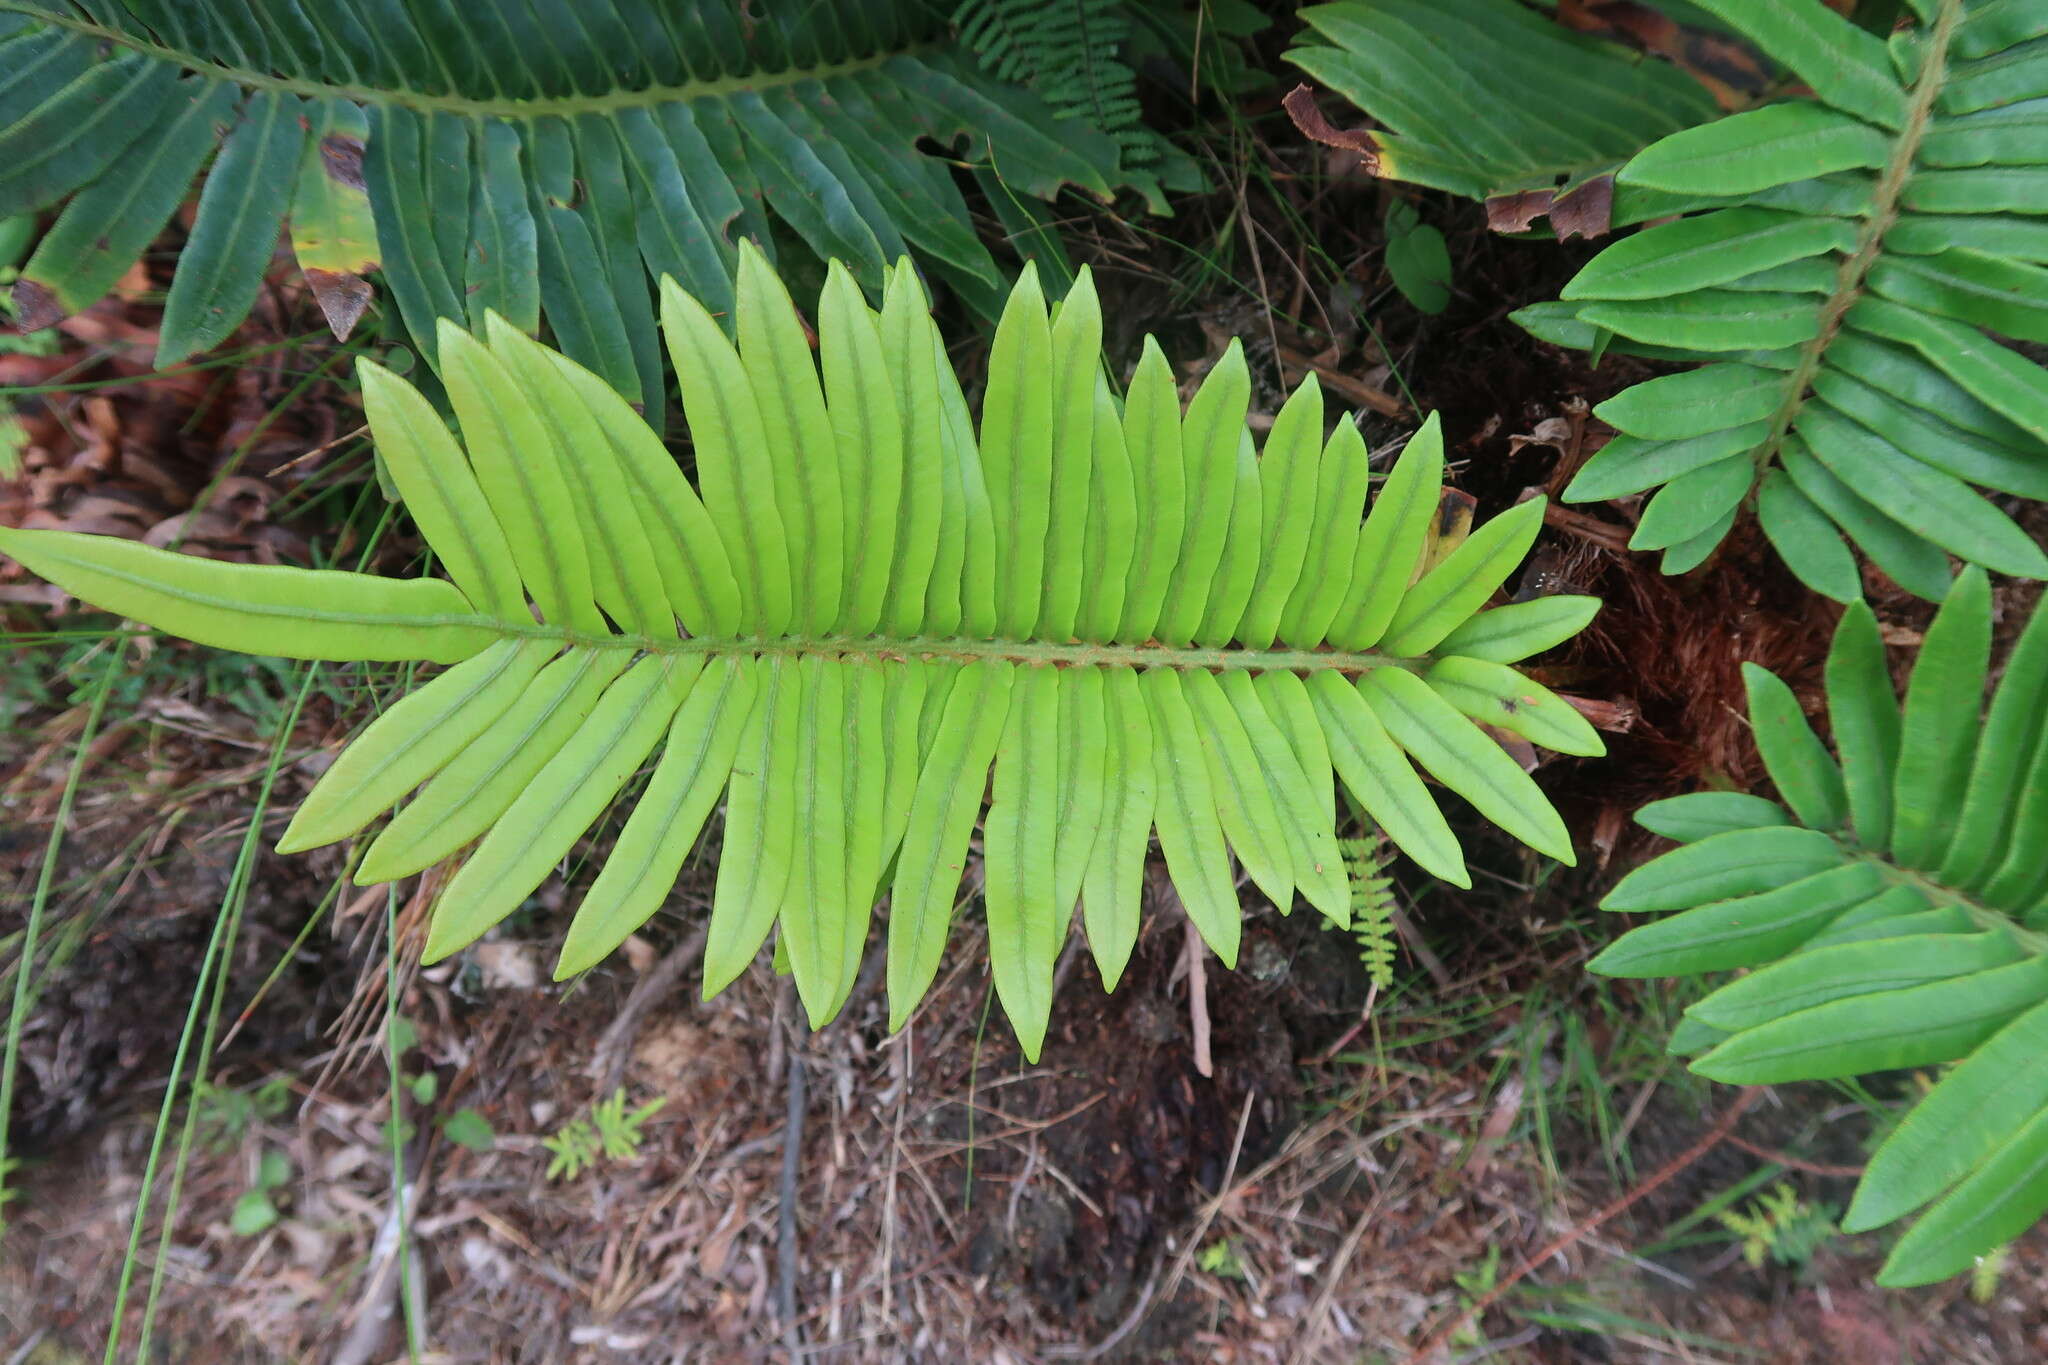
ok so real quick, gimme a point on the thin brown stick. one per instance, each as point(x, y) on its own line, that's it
point(1372, 996)
point(1713, 1138)
point(1348, 386)
point(1419, 946)
point(1778, 1158)
point(615, 1045)
point(1198, 999)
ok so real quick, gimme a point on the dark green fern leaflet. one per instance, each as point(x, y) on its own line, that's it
point(1131, 616)
point(596, 145)
point(1489, 98)
point(1893, 908)
point(1855, 267)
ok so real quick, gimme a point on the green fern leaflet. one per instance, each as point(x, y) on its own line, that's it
point(1134, 618)
point(1372, 906)
point(1895, 907)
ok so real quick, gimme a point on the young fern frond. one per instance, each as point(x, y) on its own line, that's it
point(1372, 904)
point(498, 156)
point(1852, 266)
point(1894, 908)
point(1069, 53)
point(1132, 616)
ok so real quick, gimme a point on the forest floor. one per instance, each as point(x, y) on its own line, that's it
point(1276, 1164)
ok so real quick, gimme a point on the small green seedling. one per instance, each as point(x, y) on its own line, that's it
point(256, 1212)
point(226, 1115)
point(468, 1128)
point(609, 1134)
point(1782, 1227)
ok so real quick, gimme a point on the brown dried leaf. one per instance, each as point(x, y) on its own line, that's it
point(94, 514)
point(1515, 212)
point(1555, 432)
point(1300, 104)
point(1617, 717)
point(342, 298)
point(276, 544)
point(206, 530)
point(1585, 210)
point(1447, 531)
point(1730, 70)
point(342, 158)
point(35, 306)
point(1521, 750)
point(1350, 387)
point(20, 370)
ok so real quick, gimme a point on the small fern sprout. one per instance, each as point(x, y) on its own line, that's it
point(1780, 1226)
point(1372, 904)
point(1117, 617)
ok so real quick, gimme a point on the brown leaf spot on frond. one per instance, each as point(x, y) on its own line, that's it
point(36, 306)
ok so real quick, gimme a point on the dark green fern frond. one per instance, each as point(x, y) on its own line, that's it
point(529, 159)
point(1451, 84)
point(1890, 911)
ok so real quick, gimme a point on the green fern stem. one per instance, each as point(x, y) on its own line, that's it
point(563, 106)
point(952, 649)
point(1984, 916)
point(1884, 211)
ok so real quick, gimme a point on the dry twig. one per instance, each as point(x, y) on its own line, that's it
point(1719, 1133)
point(615, 1045)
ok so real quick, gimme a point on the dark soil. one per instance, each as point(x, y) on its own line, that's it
point(1155, 1138)
point(100, 1041)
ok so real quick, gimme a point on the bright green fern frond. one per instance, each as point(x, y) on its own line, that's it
point(1861, 261)
point(1894, 909)
point(1132, 615)
point(508, 157)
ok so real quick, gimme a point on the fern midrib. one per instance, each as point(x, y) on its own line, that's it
point(955, 649)
point(1884, 211)
point(566, 106)
point(1987, 917)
